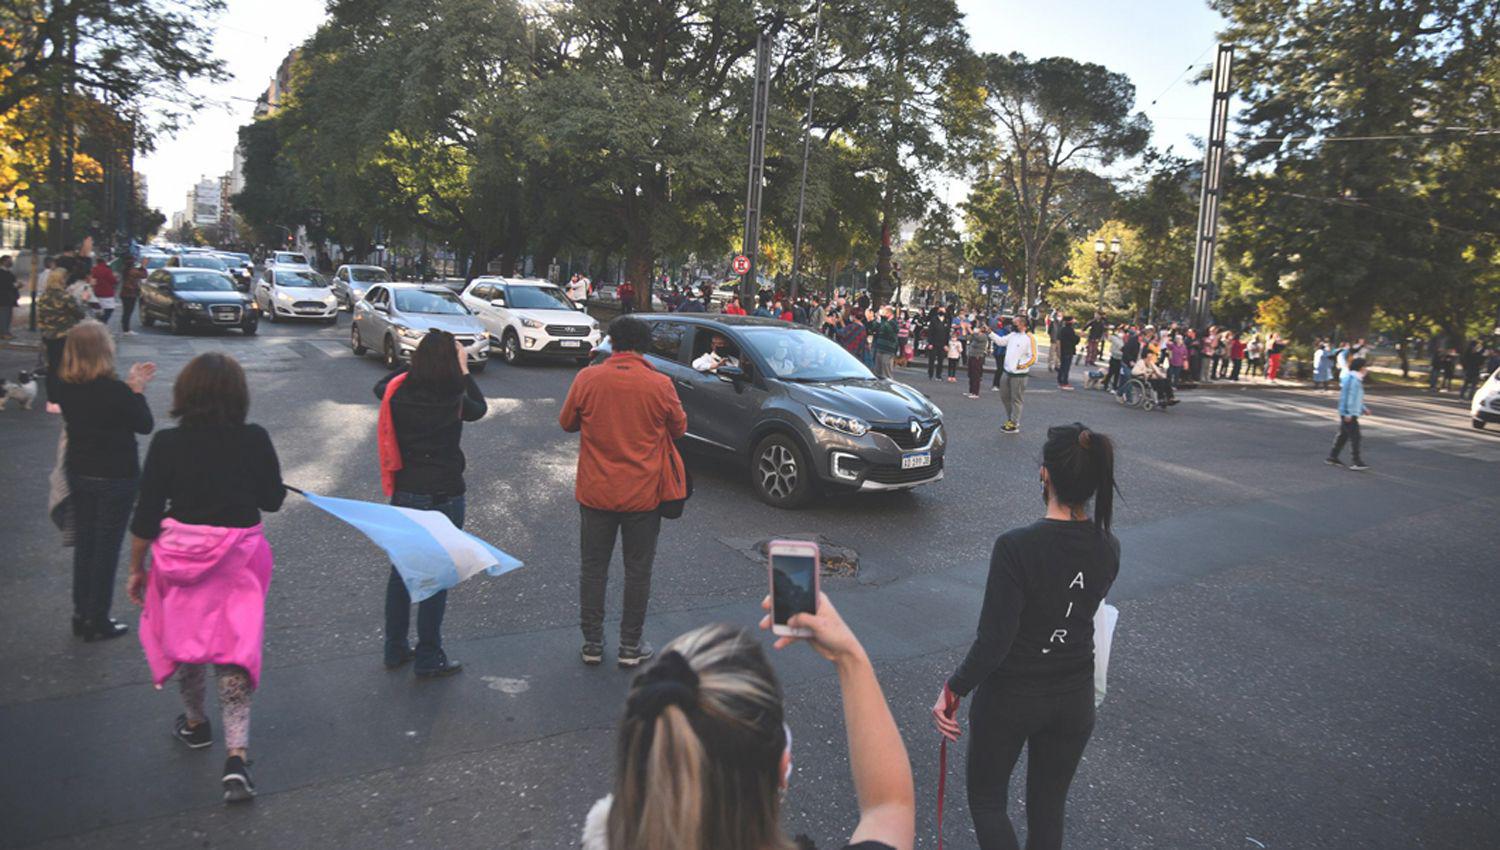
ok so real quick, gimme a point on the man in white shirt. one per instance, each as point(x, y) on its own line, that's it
point(1020, 354)
point(711, 360)
point(578, 288)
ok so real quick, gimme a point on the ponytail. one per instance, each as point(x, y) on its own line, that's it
point(659, 800)
point(1081, 466)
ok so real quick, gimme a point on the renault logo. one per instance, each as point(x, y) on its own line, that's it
point(916, 430)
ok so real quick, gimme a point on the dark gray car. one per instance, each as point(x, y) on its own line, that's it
point(804, 413)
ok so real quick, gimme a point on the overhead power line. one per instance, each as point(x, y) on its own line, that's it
point(1468, 131)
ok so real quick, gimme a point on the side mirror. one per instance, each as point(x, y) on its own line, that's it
point(497, 302)
point(730, 373)
point(579, 307)
point(380, 308)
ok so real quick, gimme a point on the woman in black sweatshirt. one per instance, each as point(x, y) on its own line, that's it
point(426, 407)
point(102, 415)
point(1031, 667)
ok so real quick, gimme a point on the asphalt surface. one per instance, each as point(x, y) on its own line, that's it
point(1306, 656)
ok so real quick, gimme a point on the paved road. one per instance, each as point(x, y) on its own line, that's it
point(1307, 656)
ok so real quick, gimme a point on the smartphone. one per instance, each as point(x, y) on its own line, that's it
point(793, 570)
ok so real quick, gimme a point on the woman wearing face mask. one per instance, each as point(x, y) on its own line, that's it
point(704, 754)
point(1031, 668)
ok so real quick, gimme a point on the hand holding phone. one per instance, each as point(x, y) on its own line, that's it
point(792, 568)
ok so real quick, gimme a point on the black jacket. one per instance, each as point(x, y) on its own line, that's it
point(1131, 350)
point(102, 418)
point(428, 428)
point(1067, 341)
point(938, 330)
point(220, 475)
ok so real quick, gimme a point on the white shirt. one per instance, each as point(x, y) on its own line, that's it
point(1020, 351)
point(710, 361)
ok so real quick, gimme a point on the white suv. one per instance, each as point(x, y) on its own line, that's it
point(532, 318)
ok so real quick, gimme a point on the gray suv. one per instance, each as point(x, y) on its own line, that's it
point(804, 413)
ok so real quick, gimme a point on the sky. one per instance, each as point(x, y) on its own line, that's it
point(1151, 41)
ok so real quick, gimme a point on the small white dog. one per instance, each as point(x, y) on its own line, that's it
point(23, 389)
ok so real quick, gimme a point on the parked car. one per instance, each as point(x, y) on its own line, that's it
point(296, 292)
point(1485, 407)
point(200, 261)
point(531, 318)
point(351, 281)
point(803, 413)
point(155, 261)
point(393, 318)
point(188, 297)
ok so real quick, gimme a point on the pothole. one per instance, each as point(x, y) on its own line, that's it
point(835, 560)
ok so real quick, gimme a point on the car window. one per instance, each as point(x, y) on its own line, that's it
point(429, 301)
point(666, 340)
point(301, 278)
point(290, 258)
point(369, 275)
point(203, 261)
point(376, 295)
point(156, 261)
point(201, 282)
point(536, 298)
point(703, 341)
point(482, 291)
point(342, 274)
point(802, 354)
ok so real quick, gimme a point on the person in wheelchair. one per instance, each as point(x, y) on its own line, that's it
point(1151, 370)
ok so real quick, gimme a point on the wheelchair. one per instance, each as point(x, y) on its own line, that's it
point(1138, 393)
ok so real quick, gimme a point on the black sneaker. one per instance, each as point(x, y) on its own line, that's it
point(105, 630)
point(1333, 461)
point(1357, 466)
point(238, 788)
point(445, 666)
point(196, 737)
point(397, 654)
point(593, 653)
point(632, 656)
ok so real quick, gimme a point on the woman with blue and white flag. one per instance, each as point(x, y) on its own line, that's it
point(422, 412)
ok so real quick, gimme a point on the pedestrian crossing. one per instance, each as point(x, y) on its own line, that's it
point(1411, 423)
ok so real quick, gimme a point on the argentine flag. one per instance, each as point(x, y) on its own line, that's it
point(429, 552)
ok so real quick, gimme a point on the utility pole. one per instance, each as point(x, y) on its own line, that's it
point(1201, 294)
point(806, 148)
point(760, 104)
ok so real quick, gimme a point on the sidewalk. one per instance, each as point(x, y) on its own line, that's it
point(25, 340)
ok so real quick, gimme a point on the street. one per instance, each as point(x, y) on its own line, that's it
point(1306, 656)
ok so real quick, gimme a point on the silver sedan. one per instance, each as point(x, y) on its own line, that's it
point(393, 318)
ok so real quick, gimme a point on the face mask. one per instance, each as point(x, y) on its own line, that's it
point(786, 779)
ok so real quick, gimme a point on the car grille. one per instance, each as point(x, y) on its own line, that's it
point(228, 314)
point(465, 340)
point(567, 330)
point(901, 434)
point(309, 306)
point(897, 475)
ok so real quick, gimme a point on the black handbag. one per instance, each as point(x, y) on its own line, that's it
point(672, 508)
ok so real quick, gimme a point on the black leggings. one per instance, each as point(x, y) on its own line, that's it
point(1054, 729)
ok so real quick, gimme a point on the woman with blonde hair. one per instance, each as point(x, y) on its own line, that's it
point(704, 752)
point(101, 414)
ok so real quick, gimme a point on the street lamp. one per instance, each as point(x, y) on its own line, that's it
point(1105, 256)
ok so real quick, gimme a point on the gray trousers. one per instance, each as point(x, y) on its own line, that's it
point(596, 543)
point(1012, 391)
point(883, 364)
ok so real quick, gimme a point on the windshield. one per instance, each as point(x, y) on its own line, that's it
point(201, 282)
point(311, 280)
point(200, 261)
point(798, 354)
point(156, 261)
point(288, 258)
point(536, 298)
point(369, 275)
point(428, 301)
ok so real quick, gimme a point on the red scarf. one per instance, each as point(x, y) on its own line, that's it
point(385, 438)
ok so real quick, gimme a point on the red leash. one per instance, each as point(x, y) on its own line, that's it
point(950, 708)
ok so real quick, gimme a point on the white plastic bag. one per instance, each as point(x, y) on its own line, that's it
point(1105, 619)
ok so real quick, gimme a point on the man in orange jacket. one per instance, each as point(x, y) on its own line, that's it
point(627, 415)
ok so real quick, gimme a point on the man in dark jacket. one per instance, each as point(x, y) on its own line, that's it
point(938, 331)
point(1129, 353)
point(10, 296)
point(887, 338)
point(1067, 346)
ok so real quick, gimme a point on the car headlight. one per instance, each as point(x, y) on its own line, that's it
point(533, 324)
point(283, 297)
point(410, 333)
point(191, 305)
point(331, 300)
point(852, 425)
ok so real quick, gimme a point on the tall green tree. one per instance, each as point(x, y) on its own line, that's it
point(1056, 120)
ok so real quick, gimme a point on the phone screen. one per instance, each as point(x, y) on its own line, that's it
point(792, 586)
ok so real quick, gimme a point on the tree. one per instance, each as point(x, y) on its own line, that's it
point(934, 257)
point(1055, 118)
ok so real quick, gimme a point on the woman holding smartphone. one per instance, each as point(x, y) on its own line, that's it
point(704, 752)
point(1031, 667)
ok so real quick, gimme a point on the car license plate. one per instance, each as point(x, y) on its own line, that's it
point(571, 343)
point(916, 460)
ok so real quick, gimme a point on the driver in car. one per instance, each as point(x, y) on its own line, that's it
point(782, 363)
point(711, 360)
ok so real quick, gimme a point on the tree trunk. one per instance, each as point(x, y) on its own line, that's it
point(881, 288)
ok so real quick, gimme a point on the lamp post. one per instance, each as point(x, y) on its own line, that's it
point(1105, 256)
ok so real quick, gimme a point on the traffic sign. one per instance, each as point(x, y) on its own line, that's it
point(741, 264)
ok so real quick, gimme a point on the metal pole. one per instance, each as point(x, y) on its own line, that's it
point(806, 148)
point(1208, 204)
point(750, 246)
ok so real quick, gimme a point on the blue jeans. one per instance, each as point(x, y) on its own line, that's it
point(101, 513)
point(430, 610)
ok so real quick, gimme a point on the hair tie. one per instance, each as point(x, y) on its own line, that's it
point(670, 681)
point(1084, 435)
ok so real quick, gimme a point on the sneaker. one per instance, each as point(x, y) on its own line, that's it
point(1009, 427)
point(1358, 466)
point(1067, 387)
point(593, 653)
point(397, 654)
point(952, 380)
point(994, 389)
point(237, 785)
point(632, 656)
point(196, 737)
point(444, 666)
point(1333, 461)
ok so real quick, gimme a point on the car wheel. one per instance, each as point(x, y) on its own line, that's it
point(147, 320)
point(355, 342)
point(250, 327)
point(476, 368)
point(179, 325)
point(1479, 424)
point(510, 348)
point(392, 358)
point(780, 473)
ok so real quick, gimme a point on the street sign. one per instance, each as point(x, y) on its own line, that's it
point(741, 264)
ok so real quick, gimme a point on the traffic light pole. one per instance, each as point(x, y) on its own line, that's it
point(750, 247)
point(1208, 205)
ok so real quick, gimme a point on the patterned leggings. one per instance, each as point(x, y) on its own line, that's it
point(234, 700)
